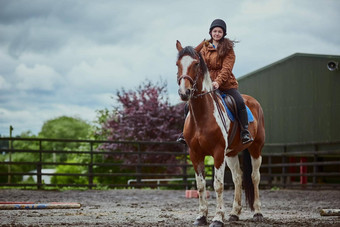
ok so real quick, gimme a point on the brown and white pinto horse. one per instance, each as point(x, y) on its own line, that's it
point(206, 132)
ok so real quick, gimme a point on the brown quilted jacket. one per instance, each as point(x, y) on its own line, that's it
point(220, 71)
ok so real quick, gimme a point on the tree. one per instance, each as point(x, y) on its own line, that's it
point(64, 128)
point(59, 128)
point(20, 157)
point(144, 114)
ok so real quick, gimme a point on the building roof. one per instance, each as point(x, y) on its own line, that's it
point(296, 55)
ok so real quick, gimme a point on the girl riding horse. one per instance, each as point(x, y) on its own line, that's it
point(219, 56)
point(207, 128)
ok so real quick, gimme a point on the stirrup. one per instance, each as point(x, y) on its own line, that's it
point(246, 137)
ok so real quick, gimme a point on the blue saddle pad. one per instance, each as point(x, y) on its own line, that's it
point(231, 115)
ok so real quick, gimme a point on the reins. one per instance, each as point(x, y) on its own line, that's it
point(220, 112)
point(204, 93)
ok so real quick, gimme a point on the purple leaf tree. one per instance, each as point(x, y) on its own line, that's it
point(145, 114)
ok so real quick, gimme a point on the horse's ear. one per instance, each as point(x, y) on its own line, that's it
point(179, 46)
point(200, 46)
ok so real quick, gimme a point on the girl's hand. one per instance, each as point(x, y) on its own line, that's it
point(215, 85)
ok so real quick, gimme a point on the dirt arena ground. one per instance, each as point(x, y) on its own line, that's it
point(165, 208)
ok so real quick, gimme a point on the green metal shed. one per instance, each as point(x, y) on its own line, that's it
point(300, 97)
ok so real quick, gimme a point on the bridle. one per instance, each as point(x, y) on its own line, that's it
point(193, 83)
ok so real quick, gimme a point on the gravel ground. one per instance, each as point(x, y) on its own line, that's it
point(165, 208)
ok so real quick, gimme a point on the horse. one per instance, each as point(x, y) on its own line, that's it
point(206, 131)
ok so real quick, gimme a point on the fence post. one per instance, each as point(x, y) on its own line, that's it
point(90, 174)
point(9, 178)
point(270, 170)
point(184, 168)
point(284, 168)
point(138, 167)
point(303, 170)
point(39, 166)
point(315, 166)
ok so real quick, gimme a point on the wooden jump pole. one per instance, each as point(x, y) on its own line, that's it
point(330, 212)
point(31, 206)
point(16, 202)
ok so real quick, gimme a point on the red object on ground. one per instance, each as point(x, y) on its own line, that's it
point(194, 194)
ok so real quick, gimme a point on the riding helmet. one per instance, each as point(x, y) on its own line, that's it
point(218, 23)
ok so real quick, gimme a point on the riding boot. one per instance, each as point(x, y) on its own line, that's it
point(180, 138)
point(245, 134)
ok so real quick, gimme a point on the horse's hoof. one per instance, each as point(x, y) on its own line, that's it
point(216, 224)
point(258, 217)
point(233, 217)
point(201, 221)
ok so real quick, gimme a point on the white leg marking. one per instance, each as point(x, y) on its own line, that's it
point(236, 172)
point(203, 204)
point(256, 163)
point(219, 187)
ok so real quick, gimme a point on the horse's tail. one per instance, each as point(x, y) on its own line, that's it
point(247, 181)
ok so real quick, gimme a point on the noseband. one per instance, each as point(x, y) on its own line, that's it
point(192, 82)
point(188, 78)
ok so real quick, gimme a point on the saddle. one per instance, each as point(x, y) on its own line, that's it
point(230, 105)
point(231, 108)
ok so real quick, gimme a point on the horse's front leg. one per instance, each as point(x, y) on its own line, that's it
point(219, 187)
point(201, 220)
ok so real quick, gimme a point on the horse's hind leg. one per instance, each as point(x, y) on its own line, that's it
point(236, 172)
point(256, 163)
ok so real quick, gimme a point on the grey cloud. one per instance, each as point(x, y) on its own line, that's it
point(44, 27)
point(95, 47)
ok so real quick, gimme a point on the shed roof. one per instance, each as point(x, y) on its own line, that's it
point(295, 55)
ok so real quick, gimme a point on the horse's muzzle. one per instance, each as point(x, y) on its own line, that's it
point(186, 95)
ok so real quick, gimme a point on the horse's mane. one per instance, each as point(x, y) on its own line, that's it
point(190, 51)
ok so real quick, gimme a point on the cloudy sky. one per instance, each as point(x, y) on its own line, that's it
point(69, 57)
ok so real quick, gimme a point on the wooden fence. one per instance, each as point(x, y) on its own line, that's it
point(314, 165)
